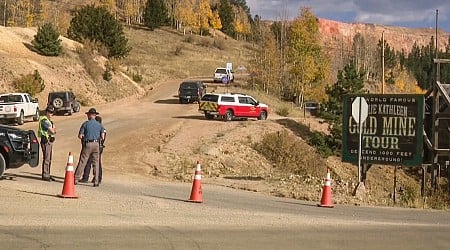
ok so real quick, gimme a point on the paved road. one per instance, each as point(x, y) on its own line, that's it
point(154, 215)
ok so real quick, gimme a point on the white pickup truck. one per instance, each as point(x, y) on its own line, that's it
point(220, 73)
point(18, 106)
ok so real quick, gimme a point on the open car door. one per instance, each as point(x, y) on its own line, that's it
point(34, 149)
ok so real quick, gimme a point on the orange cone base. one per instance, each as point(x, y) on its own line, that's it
point(326, 198)
point(67, 196)
point(196, 194)
point(69, 186)
point(195, 201)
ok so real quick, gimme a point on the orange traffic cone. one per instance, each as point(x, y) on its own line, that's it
point(196, 193)
point(326, 194)
point(69, 180)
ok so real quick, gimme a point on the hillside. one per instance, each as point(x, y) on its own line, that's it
point(165, 55)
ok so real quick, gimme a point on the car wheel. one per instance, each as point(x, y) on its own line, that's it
point(229, 115)
point(36, 116)
point(21, 118)
point(58, 103)
point(69, 112)
point(2, 165)
point(262, 115)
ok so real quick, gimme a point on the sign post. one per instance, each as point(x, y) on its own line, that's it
point(360, 111)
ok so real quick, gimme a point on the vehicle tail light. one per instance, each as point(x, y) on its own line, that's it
point(15, 109)
point(6, 149)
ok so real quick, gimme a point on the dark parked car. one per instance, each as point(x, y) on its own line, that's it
point(64, 101)
point(17, 148)
point(313, 108)
point(191, 91)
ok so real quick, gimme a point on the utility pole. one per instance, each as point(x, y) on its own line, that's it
point(382, 63)
point(438, 69)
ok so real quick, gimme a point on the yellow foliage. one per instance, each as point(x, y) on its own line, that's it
point(204, 14)
point(215, 21)
point(407, 84)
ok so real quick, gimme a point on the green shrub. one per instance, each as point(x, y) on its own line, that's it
point(283, 110)
point(321, 142)
point(107, 75)
point(137, 77)
point(288, 154)
point(30, 83)
point(46, 41)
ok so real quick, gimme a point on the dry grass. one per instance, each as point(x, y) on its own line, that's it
point(164, 54)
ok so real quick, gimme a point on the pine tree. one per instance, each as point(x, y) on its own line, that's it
point(47, 41)
point(350, 81)
point(156, 14)
point(226, 16)
point(98, 25)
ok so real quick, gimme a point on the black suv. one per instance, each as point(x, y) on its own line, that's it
point(64, 101)
point(17, 147)
point(191, 91)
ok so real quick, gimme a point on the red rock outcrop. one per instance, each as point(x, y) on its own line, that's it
point(397, 37)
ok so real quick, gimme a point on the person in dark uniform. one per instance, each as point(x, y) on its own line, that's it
point(91, 133)
point(47, 131)
point(87, 169)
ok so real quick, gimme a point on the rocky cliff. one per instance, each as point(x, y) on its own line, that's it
point(397, 37)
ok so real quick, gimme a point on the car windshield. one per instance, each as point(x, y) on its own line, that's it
point(221, 71)
point(10, 98)
point(188, 85)
point(210, 98)
point(312, 105)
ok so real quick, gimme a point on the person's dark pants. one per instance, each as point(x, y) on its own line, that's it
point(46, 147)
point(87, 169)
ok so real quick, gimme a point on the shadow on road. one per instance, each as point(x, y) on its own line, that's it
point(167, 101)
point(32, 176)
point(297, 203)
point(246, 178)
point(165, 198)
point(28, 192)
point(194, 117)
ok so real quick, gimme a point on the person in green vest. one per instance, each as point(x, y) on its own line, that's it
point(46, 132)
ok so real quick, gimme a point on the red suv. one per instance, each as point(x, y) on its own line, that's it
point(230, 106)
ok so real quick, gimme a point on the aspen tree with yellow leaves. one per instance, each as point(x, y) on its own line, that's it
point(215, 22)
point(204, 14)
point(241, 24)
point(185, 14)
point(308, 66)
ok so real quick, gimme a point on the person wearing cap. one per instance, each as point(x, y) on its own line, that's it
point(47, 131)
point(87, 169)
point(91, 133)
